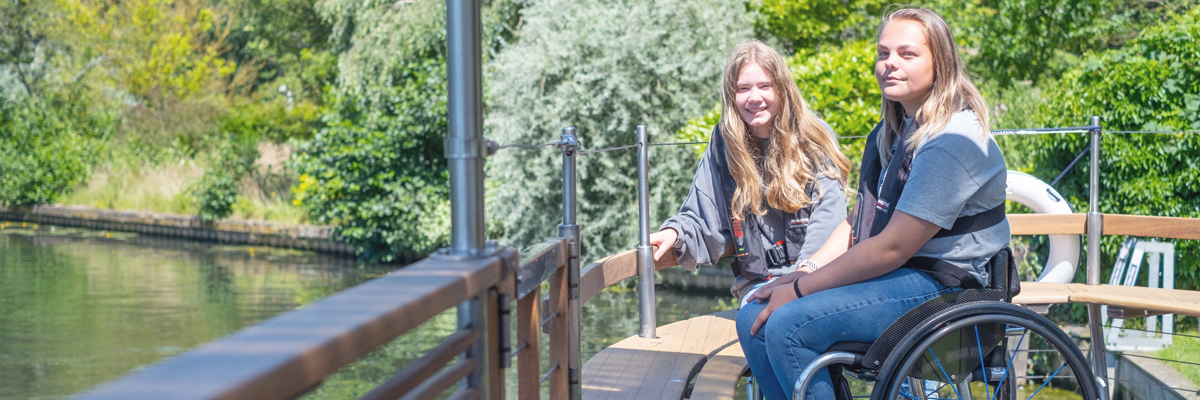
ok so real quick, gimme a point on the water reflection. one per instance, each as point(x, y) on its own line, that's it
point(81, 307)
point(78, 308)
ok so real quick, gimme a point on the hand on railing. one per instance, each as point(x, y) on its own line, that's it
point(665, 240)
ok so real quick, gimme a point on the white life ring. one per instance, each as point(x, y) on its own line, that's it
point(1041, 198)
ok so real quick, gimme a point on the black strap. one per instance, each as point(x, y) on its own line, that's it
point(974, 223)
point(945, 273)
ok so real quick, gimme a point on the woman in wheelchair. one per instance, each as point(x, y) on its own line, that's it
point(929, 215)
point(775, 162)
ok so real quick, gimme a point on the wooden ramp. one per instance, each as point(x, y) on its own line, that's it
point(662, 368)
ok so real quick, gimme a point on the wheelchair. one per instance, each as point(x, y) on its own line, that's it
point(962, 345)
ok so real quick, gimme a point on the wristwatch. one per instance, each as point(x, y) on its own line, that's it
point(808, 263)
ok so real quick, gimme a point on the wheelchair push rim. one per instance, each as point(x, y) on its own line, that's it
point(930, 360)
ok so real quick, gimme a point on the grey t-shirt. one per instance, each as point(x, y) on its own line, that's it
point(957, 173)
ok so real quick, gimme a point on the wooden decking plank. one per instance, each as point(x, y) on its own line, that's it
point(626, 365)
point(637, 368)
point(719, 378)
point(658, 382)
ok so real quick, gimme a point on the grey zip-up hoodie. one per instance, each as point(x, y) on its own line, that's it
point(703, 219)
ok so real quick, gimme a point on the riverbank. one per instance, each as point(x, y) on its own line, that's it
point(228, 231)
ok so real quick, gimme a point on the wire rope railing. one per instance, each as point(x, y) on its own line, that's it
point(996, 132)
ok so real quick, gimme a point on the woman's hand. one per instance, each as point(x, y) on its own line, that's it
point(776, 296)
point(786, 279)
point(665, 240)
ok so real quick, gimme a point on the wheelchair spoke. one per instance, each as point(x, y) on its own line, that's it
point(948, 379)
point(902, 393)
point(982, 366)
point(1035, 392)
point(996, 393)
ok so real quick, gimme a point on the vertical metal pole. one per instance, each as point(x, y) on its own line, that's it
point(465, 154)
point(645, 253)
point(464, 144)
point(1095, 231)
point(570, 230)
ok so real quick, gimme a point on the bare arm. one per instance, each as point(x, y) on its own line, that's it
point(837, 244)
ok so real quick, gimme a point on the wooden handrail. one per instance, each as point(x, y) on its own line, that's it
point(1048, 224)
point(610, 270)
point(1147, 226)
point(287, 355)
point(1114, 224)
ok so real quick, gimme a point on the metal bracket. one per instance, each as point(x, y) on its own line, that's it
point(490, 248)
point(569, 143)
point(506, 352)
point(459, 148)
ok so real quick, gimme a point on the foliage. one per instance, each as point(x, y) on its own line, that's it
point(603, 67)
point(1151, 84)
point(44, 149)
point(808, 24)
point(152, 49)
point(377, 170)
point(217, 191)
point(287, 41)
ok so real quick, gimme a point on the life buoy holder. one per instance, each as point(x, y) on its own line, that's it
point(1043, 199)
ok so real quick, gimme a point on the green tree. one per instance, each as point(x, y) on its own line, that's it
point(377, 170)
point(1153, 83)
point(603, 67)
point(808, 24)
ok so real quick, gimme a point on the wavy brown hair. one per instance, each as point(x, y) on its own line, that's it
point(952, 91)
point(799, 148)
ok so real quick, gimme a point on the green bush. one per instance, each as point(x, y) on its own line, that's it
point(45, 148)
point(217, 191)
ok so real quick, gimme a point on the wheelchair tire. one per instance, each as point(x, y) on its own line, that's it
point(969, 343)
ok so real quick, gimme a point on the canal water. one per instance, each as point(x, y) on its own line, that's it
point(80, 307)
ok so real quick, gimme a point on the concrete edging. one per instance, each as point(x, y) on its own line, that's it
point(303, 237)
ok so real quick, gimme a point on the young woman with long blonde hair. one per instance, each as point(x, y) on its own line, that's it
point(929, 217)
point(771, 183)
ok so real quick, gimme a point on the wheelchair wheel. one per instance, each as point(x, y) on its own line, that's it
point(979, 352)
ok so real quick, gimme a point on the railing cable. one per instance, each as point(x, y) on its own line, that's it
point(1195, 391)
point(1072, 164)
point(1145, 330)
point(674, 143)
point(1153, 358)
point(530, 146)
point(1162, 132)
point(582, 152)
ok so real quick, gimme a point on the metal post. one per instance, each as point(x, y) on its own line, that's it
point(645, 253)
point(1095, 230)
point(464, 145)
point(465, 152)
point(570, 230)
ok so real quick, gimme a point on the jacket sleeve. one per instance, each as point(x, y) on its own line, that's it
point(703, 219)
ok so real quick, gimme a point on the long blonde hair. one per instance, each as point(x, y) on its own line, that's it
point(799, 147)
point(952, 91)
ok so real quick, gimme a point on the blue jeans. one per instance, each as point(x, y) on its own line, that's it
point(801, 330)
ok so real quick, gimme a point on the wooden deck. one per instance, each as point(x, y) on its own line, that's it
point(662, 368)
